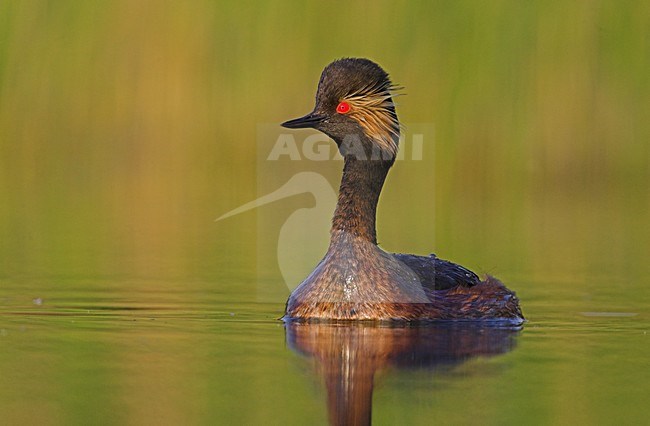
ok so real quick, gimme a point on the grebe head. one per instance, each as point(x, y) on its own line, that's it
point(354, 106)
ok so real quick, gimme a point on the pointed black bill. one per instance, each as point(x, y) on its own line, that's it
point(309, 120)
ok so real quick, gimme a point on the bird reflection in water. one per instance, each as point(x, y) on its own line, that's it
point(347, 356)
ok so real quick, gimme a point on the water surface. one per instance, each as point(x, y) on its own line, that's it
point(113, 355)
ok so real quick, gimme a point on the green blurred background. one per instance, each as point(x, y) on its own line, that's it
point(127, 127)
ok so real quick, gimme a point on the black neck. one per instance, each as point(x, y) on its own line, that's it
point(358, 196)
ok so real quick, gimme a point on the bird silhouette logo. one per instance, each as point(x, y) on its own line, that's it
point(297, 250)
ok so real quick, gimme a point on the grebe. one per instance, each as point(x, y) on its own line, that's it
point(357, 280)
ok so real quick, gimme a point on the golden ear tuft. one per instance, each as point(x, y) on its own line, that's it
point(374, 110)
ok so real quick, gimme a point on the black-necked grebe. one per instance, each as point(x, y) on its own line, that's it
point(357, 280)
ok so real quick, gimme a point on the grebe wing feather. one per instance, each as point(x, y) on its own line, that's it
point(438, 274)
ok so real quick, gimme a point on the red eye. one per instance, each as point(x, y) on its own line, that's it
point(343, 108)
